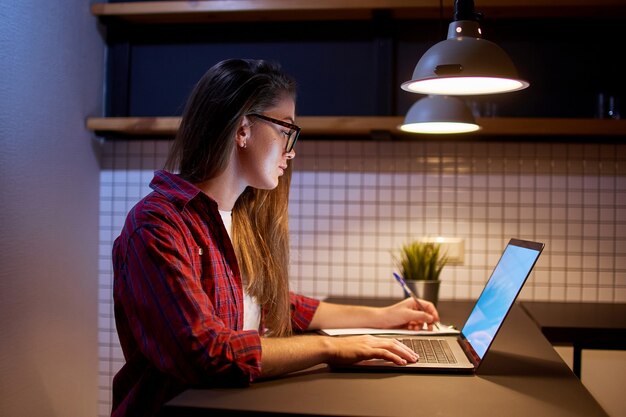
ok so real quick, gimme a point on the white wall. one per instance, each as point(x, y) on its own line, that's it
point(51, 70)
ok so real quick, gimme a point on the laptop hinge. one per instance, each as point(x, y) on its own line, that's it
point(469, 351)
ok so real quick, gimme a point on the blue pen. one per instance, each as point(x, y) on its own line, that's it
point(410, 293)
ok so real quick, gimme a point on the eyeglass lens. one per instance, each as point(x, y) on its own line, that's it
point(294, 131)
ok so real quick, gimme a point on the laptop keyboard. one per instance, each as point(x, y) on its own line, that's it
point(431, 350)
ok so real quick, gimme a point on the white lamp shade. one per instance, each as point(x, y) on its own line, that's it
point(464, 64)
point(439, 115)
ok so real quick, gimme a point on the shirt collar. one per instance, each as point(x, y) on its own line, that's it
point(177, 190)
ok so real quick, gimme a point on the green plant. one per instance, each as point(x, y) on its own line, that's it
point(421, 261)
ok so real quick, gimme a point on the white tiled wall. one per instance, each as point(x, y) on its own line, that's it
point(354, 202)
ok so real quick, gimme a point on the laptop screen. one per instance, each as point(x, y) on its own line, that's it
point(499, 294)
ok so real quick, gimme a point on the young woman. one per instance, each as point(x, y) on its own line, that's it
point(201, 286)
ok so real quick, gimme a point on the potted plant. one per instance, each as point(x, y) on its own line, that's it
point(420, 264)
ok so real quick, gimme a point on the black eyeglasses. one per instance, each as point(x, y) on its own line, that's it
point(292, 134)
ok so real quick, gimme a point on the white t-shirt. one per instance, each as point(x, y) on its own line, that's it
point(251, 309)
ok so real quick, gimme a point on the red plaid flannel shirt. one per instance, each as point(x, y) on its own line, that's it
point(178, 301)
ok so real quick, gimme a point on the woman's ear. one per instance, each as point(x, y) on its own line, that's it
point(243, 132)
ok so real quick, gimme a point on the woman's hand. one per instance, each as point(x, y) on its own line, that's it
point(406, 314)
point(348, 350)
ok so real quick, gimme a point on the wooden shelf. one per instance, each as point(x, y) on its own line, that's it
point(294, 10)
point(367, 125)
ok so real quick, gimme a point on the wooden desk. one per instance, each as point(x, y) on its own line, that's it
point(580, 325)
point(521, 376)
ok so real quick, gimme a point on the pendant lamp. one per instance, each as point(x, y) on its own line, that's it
point(464, 63)
point(439, 115)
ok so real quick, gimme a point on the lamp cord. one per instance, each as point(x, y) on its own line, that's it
point(441, 18)
point(464, 10)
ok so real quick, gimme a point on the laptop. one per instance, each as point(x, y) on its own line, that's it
point(466, 351)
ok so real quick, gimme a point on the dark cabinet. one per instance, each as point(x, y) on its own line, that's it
point(350, 57)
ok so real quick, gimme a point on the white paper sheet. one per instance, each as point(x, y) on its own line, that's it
point(443, 330)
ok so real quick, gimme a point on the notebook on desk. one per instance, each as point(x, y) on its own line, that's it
point(465, 352)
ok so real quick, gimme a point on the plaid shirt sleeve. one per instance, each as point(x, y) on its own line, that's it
point(302, 311)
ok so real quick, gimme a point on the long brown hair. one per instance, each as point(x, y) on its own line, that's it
point(227, 92)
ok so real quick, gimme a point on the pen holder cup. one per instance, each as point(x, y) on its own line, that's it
point(425, 289)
